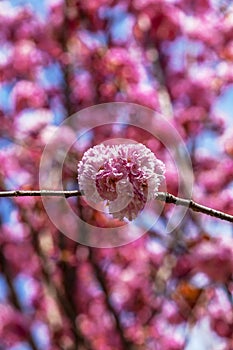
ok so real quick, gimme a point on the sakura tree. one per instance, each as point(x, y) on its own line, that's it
point(65, 67)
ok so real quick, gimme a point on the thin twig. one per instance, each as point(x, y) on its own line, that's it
point(41, 193)
point(169, 198)
point(162, 196)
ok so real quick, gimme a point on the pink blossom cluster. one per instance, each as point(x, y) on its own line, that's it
point(126, 175)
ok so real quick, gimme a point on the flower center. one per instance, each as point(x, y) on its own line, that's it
point(116, 169)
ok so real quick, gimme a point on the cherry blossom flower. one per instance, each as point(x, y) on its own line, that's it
point(126, 176)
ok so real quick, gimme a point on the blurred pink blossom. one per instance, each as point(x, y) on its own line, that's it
point(33, 122)
point(159, 17)
point(211, 179)
point(125, 175)
point(215, 259)
point(226, 142)
point(13, 325)
point(26, 57)
point(8, 17)
point(27, 94)
point(56, 13)
point(122, 65)
point(82, 88)
point(221, 315)
point(202, 28)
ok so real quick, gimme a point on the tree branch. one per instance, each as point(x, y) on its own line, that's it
point(162, 196)
point(56, 292)
point(127, 344)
